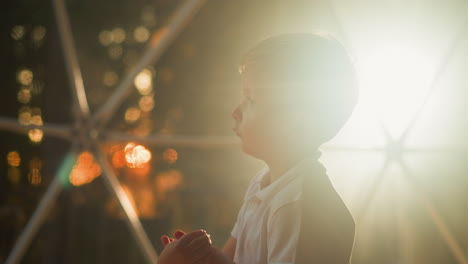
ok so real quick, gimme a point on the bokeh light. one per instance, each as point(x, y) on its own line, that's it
point(132, 115)
point(24, 116)
point(17, 32)
point(38, 34)
point(141, 34)
point(118, 159)
point(34, 175)
point(36, 120)
point(24, 96)
point(106, 37)
point(13, 158)
point(146, 103)
point(35, 135)
point(110, 78)
point(143, 82)
point(170, 155)
point(25, 77)
point(119, 35)
point(136, 155)
point(85, 170)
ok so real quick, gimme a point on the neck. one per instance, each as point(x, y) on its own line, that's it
point(278, 165)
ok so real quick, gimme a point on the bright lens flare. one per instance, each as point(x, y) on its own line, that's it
point(136, 155)
point(393, 83)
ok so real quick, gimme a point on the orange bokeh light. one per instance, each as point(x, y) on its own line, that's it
point(118, 159)
point(85, 170)
point(35, 135)
point(170, 155)
point(13, 158)
point(136, 155)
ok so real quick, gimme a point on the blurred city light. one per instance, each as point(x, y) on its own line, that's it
point(146, 103)
point(24, 117)
point(24, 96)
point(35, 135)
point(141, 34)
point(118, 159)
point(119, 35)
point(136, 155)
point(17, 32)
point(25, 77)
point(143, 82)
point(38, 33)
point(132, 114)
point(110, 78)
point(85, 170)
point(35, 166)
point(170, 155)
point(13, 158)
point(106, 37)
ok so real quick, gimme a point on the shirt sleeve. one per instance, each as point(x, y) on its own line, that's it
point(283, 234)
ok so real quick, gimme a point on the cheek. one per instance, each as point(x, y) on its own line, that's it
point(259, 132)
point(249, 128)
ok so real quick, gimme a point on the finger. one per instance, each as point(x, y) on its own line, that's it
point(197, 243)
point(164, 240)
point(178, 234)
point(171, 240)
point(199, 247)
point(187, 238)
point(203, 255)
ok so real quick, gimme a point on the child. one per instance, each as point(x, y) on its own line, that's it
point(298, 92)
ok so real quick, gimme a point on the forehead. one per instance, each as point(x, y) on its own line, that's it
point(270, 96)
point(254, 81)
point(263, 88)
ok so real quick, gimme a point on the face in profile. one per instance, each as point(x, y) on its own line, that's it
point(260, 120)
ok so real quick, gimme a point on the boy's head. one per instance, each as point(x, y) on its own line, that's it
point(298, 92)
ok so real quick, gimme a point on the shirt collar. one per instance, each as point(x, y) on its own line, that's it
point(300, 168)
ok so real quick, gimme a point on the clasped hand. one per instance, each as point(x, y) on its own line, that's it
point(186, 248)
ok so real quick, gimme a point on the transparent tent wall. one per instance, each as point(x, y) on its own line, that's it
point(141, 94)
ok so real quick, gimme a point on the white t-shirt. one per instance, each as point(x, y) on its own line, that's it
point(268, 223)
